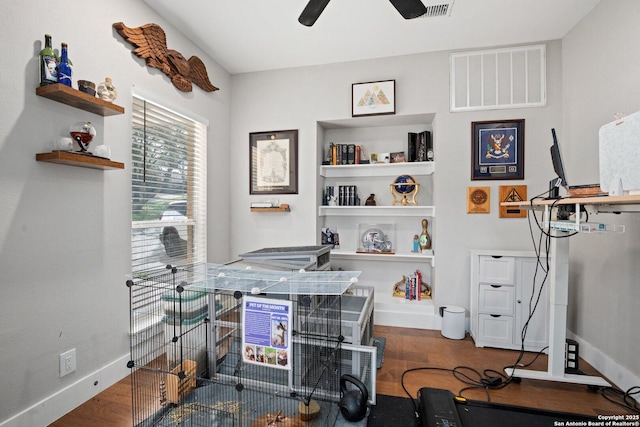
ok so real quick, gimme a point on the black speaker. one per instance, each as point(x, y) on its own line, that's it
point(353, 403)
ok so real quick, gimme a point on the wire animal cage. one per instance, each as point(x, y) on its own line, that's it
point(215, 345)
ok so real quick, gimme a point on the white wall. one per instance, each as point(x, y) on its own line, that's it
point(601, 65)
point(65, 231)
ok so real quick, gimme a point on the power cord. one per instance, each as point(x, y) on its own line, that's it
point(625, 398)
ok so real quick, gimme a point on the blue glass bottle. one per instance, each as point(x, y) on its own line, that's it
point(64, 68)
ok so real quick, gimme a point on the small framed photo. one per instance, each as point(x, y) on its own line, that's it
point(373, 98)
point(273, 162)
point(397, 157)
point(497, 149)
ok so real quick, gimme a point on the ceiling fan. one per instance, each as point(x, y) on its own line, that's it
point(409, 9)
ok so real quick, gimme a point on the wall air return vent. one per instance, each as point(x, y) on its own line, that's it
point(437, 8)
point(494, 79)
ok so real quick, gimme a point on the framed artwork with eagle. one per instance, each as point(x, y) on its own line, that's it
point(497, 149)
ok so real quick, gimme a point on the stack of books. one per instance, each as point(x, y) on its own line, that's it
point(420, 147)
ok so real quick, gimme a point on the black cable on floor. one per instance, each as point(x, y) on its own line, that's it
point(625, 399)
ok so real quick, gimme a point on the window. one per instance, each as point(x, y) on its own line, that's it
point(168, 206)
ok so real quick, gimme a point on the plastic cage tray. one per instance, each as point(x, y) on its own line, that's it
point(209, 277)
point(306, 257)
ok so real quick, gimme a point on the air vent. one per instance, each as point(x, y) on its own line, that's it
point(440, 9)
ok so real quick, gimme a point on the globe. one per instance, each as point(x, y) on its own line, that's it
point(403, 184)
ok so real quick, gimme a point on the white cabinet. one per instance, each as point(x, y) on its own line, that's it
point(506, 286)
point(381, 134)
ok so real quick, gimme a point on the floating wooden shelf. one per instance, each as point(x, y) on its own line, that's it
point(80, 160)
point(281, 208)
point(75, 98)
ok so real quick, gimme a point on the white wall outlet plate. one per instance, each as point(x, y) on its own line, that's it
point(67, 362)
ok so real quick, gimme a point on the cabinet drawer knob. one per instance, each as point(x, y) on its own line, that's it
point(496, 286)
point(519, 302)
point(496, 256)
point(495, 315)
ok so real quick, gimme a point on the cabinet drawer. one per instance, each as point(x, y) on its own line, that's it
point(496, 270)
point(496, 299)
point(496, 329)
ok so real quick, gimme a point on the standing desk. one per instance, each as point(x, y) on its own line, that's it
point(559, 283)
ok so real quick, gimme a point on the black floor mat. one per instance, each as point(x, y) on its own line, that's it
point(391, 411)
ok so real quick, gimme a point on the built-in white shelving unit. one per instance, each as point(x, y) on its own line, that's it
point(381, 134)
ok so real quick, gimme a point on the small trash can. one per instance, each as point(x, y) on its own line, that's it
point(452, 322)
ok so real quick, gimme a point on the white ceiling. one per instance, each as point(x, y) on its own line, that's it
point(257, 35)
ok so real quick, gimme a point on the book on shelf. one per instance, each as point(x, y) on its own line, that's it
point(412, 142)
point(342, 195)
point(419, 147)
point(263, 205)
point(344, 154)
point(424, 147)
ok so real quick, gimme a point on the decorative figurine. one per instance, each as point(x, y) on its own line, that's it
point(425, 239)
point(371, 200)
point(107, 91)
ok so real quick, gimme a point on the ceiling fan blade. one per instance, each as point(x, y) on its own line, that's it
point(312, 11)
point(409, 9)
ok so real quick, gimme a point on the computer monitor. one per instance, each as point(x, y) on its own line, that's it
point(556, 158)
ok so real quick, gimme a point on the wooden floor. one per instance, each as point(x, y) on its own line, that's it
point(408, 349)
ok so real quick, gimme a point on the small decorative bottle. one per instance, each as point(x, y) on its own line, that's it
point(64, 68)
point(48, 63)
point(425, 239)
point(416, 243)
point(107, 91)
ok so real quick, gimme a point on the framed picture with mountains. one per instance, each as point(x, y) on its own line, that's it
point(373, 98)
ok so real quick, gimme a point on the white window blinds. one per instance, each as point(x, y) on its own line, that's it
point(168, 206)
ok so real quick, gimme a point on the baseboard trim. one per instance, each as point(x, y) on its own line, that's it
point(63, 401)
point(612, 370)
point(417, 321)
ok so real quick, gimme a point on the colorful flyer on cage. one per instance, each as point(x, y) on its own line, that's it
point(267, 334)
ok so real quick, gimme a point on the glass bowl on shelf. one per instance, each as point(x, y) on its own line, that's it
point(83, 133)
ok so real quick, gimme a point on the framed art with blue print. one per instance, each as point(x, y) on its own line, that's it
point(497, 150)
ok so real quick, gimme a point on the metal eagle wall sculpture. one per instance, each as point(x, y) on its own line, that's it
point(150, 43)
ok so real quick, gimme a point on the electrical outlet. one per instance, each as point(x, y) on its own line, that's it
point(67, 362)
